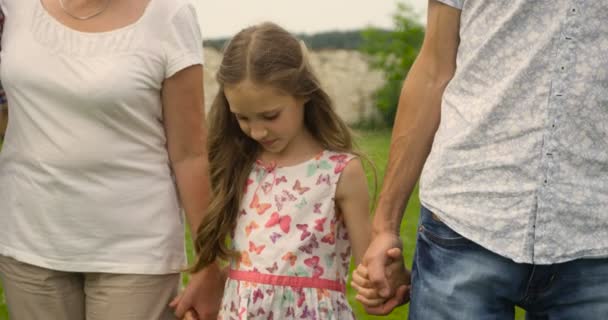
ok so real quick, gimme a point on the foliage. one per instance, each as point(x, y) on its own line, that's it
point(346, 40)
point(393, 53)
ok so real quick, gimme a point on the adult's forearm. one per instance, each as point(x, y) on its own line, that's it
point(193, 186)
point(415, 125)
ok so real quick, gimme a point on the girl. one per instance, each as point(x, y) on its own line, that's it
point(287, 186)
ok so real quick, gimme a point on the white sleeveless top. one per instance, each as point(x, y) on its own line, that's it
point(85, 179)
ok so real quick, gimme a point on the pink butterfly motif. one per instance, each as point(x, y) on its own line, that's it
point(289, 312)
point(247, 183)
point(266, 187)
point(313, 262)
point(297, 187)
point(317, 208)
point(274, 268)
point(346, 254)
point(256, 249)
point(233, 307)
point(270, 291)
point(319, 224)
point(341, 162)
point(242, 312)
point(242, 212)
point(278, 181)
point(270, 316)
point(308, 314)
point(274, 236)
point(301, 297)
point(283, 221)
point(257, 294)
point(260, 312)
point(329, 238)
point(323, 178)
point(282, 198)
point(312, 244)
point(304, 229)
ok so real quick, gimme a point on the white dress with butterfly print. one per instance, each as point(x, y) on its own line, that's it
point(294, 249)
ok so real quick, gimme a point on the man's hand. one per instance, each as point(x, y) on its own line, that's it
point(382, 281)
point(202, 297)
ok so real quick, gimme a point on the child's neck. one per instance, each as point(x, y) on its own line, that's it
point(302, 149)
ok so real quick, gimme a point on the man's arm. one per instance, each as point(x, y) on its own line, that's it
point(416, 122)
point(418, 114)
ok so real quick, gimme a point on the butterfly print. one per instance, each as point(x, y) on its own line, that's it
point(266, 187)
point(247, 183)
point(257, 294)
point(304, 228)
point(341, 162)
point(297, 187)
point(319, 224)
point(282, 198)
point(301, 297)
point(256, 249)
point(242, 212)
point(319, 165)
point(274, 236)
point(312, 244)
point(283, 221)
point(259, 207)
point(346, 254)
point(250, 227)
point(278, 181)
point(290, 257)
point(274, 268)
point(323, 178)
point(329, 238)
point(244, 259)
point(313, 262)
point(308, 314)
point(302, 204)
point(317, 208)
point(270, 316)
point(233, 307)
point(289, 312)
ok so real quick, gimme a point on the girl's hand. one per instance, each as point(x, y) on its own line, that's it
point(203, 295)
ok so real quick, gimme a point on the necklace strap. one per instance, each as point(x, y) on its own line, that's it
point(87, 17)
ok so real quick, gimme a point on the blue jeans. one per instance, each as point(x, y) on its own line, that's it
point(454, 278)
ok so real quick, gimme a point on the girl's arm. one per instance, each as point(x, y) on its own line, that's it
point(352, 198)
point(183, 112)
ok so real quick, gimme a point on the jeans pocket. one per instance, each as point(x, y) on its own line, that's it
point(438, 232)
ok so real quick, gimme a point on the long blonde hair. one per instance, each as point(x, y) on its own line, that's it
point(265, 54)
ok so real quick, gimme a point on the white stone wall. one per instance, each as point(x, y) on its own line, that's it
point(344, 74)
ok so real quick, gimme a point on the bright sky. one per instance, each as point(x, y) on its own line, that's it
point(224, 18)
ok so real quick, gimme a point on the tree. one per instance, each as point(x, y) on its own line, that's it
point(393, 52)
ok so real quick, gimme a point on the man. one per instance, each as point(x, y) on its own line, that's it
point(509, 101)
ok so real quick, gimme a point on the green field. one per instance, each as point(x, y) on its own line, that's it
point(375, 145)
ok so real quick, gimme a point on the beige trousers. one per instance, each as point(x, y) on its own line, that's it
point(34, 293)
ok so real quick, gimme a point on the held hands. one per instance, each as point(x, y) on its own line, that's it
point(381, 280)
point(202, 297)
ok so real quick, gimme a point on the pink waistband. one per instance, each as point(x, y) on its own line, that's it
point(288, 281)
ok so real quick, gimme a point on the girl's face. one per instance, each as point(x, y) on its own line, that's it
point(269, 116)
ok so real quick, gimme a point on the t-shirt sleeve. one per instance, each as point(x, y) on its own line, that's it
point(183, 41)
point(453, 3)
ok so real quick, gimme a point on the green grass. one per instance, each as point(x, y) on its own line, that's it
point(375, 144)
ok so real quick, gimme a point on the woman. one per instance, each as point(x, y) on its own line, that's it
point(105, 144)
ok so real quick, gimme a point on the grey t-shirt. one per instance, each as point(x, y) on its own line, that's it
point(519, 163)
